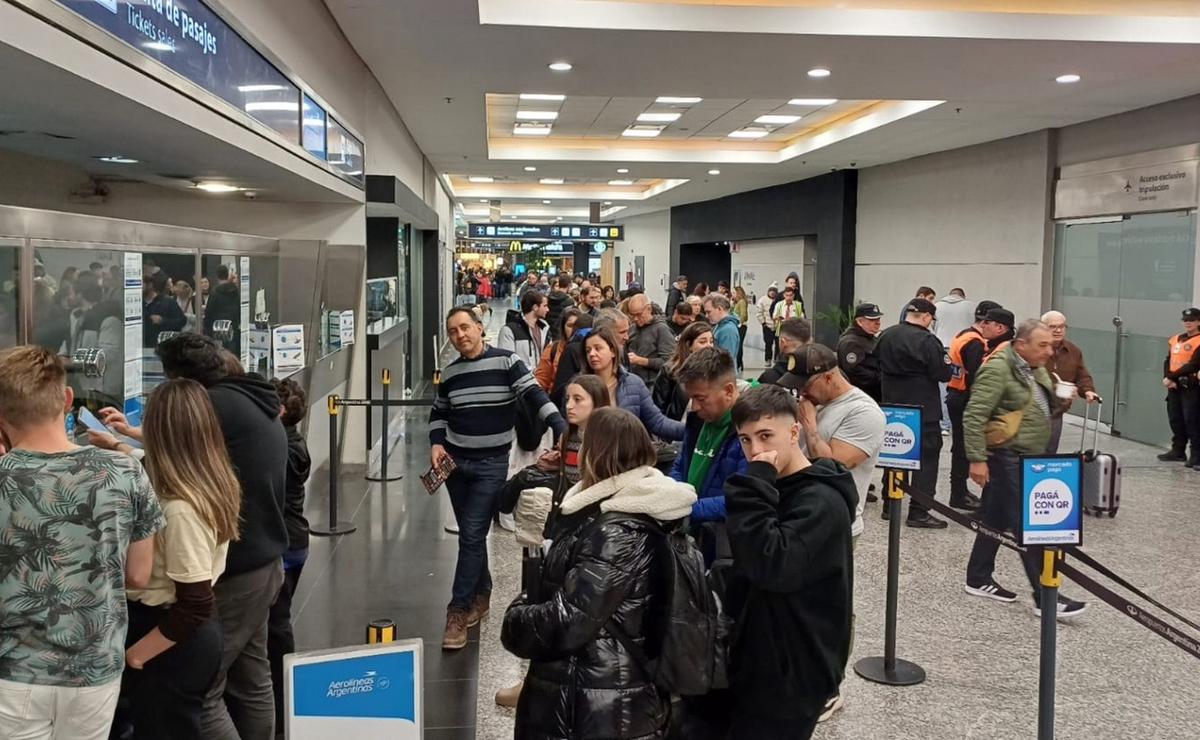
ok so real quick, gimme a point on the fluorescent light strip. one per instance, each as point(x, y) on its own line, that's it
point(537, 115)
point(620, 182)
point(531, 129)
point(673, 100)
point(748, 133)
point(542, 96)
point(551, 181)
point(659, 117)
point(777, 120)
point(277, 106)
point(644, 132)
point(481, 178)
point(816, 102)
point(260, 88)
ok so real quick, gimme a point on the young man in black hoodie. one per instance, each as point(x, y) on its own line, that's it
point(248, 411)
point(791, 586)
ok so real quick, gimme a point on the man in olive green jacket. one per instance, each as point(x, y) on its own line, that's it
point(1011, 389)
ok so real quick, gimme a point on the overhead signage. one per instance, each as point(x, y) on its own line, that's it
point(901, 438)
point(546, 232)
point(369, 692)
point(1051, 508)
point(1160, 187)
point(550, 248)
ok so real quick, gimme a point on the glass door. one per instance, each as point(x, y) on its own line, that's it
point(1122, 285)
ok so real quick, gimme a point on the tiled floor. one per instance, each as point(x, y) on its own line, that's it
point(1115, 678)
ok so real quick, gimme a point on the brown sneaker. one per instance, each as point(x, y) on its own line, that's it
point(508, 697)
point(480, 606)
point(456, 630)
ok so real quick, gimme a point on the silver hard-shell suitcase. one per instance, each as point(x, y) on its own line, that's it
point(1101, 472)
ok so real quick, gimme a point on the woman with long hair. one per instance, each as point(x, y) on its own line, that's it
point(551, 477)
point(701, 290)
point(608, 293)
point(627, 390)
point(741, 309)
point(173, 647)
point(572, 320)
point(669, 396)
point(602, 573)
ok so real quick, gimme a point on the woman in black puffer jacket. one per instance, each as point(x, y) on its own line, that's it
point(605, 563)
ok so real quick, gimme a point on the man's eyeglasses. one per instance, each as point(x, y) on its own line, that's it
point(1057, 327)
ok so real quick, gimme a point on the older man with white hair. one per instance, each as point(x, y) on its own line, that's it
point(1065, 365)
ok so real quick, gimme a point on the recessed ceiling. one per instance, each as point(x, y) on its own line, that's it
point(995, 71)
point(1165, 8)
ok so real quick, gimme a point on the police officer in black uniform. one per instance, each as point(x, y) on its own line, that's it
point(856, 350)
point(912, 361)
point(1183, 390)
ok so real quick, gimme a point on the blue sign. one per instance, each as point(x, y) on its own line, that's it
point(1051, 506)
point(361, 692)
point(901, 438)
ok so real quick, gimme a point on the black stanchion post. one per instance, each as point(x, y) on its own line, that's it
point(334, 527)
point(385, 379)
point(1051, 580)
point(889, 669)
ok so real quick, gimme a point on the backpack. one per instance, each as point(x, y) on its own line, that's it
point(694, 639)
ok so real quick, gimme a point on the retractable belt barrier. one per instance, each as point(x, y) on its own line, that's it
point(335, 403)
point(1159, 626)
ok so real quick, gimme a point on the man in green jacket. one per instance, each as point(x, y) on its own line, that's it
point(1013, 384)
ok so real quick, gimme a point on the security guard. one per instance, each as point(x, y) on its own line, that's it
point(911, 363)
point(856, 350)
point(967, 352)
point(1183, 390)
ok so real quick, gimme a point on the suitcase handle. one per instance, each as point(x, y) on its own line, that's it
point(1096, 429)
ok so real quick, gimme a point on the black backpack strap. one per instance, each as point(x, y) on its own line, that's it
point(635, 650)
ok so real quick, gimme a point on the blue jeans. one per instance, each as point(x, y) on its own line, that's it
point(475, 495)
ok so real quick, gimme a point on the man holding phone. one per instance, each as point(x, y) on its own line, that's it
point(472, 422)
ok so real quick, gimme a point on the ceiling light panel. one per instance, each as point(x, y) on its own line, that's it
point(819, 72)
point(481, 178)
point(537, 115)
point(642, 132)
point(749, 133)
point(619, 183)
point(542, 96)
point(674, 100)
point(813, 102)
point(532, 129)
point(551, 181)
point(659, 117)
point(777, 120)
point(560, 66)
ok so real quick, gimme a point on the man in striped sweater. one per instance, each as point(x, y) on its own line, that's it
point(472, 422)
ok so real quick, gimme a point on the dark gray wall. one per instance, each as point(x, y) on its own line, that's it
point(822, 207)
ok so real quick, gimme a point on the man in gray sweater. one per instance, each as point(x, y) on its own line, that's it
point(652, 344)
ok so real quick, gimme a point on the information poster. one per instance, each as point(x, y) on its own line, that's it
point(371, 692)
point(901, 438)
point(287, 347)
point(132, 366)
point(244, 283)
point(1051, 509)
point(346, 327)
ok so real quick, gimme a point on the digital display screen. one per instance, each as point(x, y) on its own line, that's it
point(189, 38)
point(549, 232)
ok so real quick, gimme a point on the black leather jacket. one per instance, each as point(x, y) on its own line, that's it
point(582, 684)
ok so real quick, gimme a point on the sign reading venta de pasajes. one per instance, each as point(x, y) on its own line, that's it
point(901, 438)
point(1051, 510)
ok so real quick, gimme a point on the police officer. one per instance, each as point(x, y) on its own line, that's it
point(912, 362)
point(1183, 390)
point(856, 350)
point(968, 349)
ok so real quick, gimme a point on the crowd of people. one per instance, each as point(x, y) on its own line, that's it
point(768, 478)
point(147, 573)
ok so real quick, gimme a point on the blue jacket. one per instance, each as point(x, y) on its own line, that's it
point(710, 504)
point(726, 335)
point(635, 397)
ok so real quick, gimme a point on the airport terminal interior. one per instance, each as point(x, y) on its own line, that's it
point(948, 246)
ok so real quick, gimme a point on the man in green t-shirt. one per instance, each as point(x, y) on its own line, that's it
point(76, 527)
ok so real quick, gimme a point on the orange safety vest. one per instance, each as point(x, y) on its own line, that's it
point(958, 373)
point(1181, 349)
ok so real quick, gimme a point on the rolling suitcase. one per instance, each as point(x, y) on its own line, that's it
point(1101, 472)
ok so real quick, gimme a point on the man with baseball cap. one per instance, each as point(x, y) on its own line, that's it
point(848, 427)
point(967, 352)
point(1183, 390)
point(912, 361)
point(856, 350)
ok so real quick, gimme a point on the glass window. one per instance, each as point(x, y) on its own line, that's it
point(312, 128)
point(402, 259)
point(78, 312)
point(345, 152)
point(10, 292)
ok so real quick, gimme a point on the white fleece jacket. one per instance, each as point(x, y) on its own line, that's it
point(643, 490)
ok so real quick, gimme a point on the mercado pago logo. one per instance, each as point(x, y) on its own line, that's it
point(898, 439)
point(368, 683)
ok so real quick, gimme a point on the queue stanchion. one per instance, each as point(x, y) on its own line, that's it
point(889, 669)
point(1051, 580)
point(385, 380)
point(381, 631)
point(334, 526)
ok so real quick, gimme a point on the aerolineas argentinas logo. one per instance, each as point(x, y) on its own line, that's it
point(369, 682)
